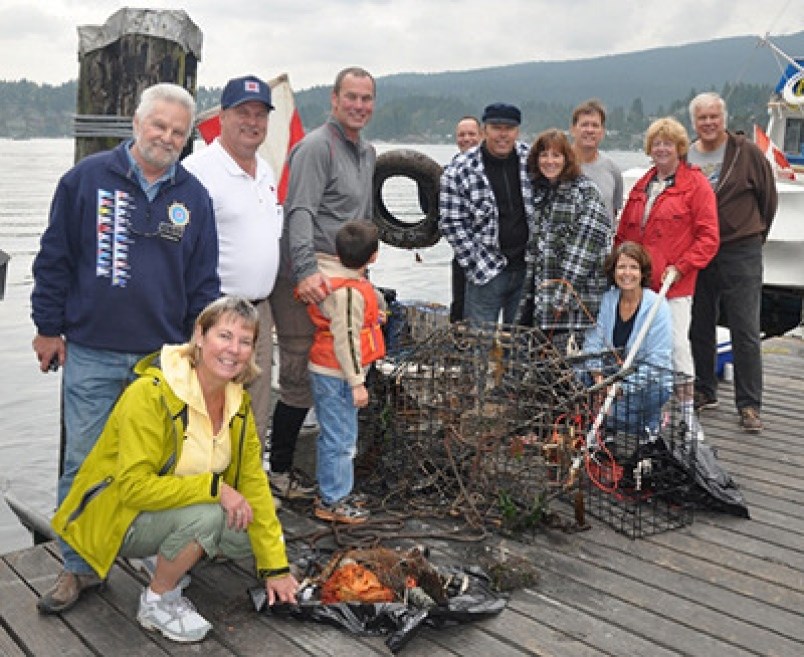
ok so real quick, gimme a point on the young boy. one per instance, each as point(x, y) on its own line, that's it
point(348, 338)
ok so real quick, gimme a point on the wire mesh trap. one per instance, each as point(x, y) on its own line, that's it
point(639, 464)
point(475, 421)
point(491, 423)
point(410, 323)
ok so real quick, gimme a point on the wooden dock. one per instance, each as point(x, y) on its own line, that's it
point(721, 586)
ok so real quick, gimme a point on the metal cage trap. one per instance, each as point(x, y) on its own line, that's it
point(639, 465)
point(476, 421)
point(489, 422)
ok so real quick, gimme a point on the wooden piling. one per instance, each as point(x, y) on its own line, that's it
point(132, 50)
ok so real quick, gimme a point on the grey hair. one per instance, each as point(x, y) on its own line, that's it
point(166, 92)
point(707, 98)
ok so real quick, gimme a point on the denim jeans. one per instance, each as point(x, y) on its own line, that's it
point(732, 282)
point(638, 406)
point(93, 380)
point(483, 303)
point(337, 440)
point(640, 410)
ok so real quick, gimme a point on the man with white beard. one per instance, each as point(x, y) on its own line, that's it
point(127, 262)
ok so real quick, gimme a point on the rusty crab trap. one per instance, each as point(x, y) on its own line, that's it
point(476, 420)
point(640, 453)
point(493, 422)
point(410, 323)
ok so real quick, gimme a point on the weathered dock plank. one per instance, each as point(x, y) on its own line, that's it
point(715, 616)
point(8, 646)
point(45, 635)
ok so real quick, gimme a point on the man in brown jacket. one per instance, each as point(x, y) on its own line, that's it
point(746, 201)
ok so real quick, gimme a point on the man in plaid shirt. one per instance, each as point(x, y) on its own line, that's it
point(486, 214)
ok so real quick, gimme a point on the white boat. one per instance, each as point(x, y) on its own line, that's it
point(784, 251)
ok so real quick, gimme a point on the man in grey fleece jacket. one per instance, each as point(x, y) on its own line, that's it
point(331, 172)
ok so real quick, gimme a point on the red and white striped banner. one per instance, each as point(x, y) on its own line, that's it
point(284, 129)
point(775, 156)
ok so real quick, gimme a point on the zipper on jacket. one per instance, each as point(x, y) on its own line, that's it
point(242, 441)
point(177, 436)
point(91, 493)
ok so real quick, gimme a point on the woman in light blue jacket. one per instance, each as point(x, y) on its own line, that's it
point(623, 312)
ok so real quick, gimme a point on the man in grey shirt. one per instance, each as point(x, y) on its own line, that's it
point(331, 172)
point(588, 129)
point(731, 283)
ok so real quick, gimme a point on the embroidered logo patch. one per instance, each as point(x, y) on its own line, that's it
point(179, 214)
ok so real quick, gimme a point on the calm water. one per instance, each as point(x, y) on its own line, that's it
point(29, 408)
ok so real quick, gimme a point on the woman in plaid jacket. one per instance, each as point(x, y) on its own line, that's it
point(565, 277)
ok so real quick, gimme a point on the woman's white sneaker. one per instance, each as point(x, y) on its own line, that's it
point(174, 616)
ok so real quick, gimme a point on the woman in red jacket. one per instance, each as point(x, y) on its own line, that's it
point(672, 212)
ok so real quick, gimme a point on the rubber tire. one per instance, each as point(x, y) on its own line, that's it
point(426, 173)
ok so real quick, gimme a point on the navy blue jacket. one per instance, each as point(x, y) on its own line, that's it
point(119, 272)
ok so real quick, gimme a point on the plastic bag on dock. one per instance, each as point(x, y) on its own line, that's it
point(469, 597)
point(716, 490)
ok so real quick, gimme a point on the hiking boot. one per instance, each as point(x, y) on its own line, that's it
point(174, 616)
point(705, 402)
point(749, 420)
point(293, 485)
point(341, 511)
point(147, 566)
point(66, 591)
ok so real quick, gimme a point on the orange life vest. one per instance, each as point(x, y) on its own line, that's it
point(372, 344)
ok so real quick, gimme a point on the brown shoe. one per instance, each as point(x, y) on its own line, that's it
point(749, 420)
point(704, 402)
point(66, 591)
point(342, 511)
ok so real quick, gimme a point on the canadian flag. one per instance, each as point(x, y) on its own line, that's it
point(775, 156)
point(284, 129)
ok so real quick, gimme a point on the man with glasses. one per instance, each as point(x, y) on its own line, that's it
point(129, 258)
point(248, 215)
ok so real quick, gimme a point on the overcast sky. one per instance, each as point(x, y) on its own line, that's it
point(311, 39)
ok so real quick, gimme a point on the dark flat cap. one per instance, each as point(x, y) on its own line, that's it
point(502, 113)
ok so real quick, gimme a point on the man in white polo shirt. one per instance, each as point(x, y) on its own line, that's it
point(247, 213)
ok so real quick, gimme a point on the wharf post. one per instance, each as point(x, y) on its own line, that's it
point(132, 50)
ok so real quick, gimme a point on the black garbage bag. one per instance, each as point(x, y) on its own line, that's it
point(469, 597)
point(709, 487)
point(715, 490)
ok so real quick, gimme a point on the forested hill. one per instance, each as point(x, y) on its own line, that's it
point(424, 107)
point(634, 87)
